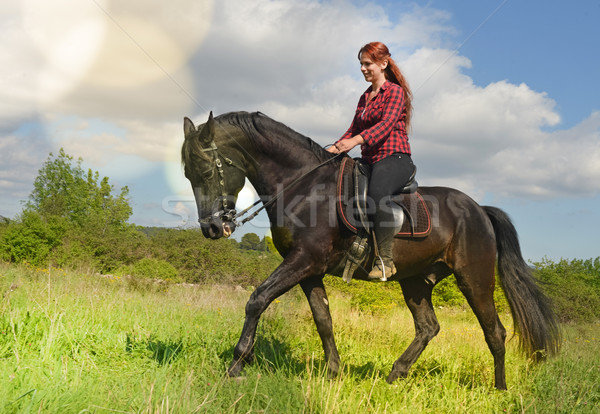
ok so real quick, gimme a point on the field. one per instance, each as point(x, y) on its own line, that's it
point(72, 343)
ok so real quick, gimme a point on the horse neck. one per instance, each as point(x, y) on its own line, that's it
point(278, 163)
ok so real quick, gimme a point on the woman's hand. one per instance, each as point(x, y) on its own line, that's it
point(346, 145)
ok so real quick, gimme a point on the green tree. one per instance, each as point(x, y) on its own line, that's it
point(72, 218)
point(573, 286)
point(251, 241)
point(62, 188)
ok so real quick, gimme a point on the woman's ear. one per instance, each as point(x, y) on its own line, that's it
point(384, 64)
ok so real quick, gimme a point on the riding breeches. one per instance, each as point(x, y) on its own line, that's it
point(388, 178)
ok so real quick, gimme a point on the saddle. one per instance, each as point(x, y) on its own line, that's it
point(411, 211)
point(353, 181)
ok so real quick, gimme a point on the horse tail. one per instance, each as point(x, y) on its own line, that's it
point(533, 316)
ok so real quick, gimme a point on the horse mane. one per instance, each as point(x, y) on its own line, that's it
point(272, 136)
point(268, 135)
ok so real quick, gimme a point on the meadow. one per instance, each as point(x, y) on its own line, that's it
point(73, 342)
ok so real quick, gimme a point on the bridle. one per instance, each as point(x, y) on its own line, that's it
point(230, 214)
point(225, 213)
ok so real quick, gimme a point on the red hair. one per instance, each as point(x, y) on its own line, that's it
point(379, 53)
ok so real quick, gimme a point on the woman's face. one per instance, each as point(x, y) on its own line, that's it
point(372, 71)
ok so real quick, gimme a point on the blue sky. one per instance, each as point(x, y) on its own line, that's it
point(506, 95)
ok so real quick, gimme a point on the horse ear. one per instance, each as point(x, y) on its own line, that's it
point(188, 127)
point(208, 131)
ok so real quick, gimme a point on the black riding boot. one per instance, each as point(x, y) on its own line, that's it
point(385, 231)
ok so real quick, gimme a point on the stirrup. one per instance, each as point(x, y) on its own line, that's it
point(359, 251)
point(384, 270)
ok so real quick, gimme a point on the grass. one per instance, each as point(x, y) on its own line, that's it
point(74, 343)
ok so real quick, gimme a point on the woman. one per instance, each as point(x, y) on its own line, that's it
point(380, 127)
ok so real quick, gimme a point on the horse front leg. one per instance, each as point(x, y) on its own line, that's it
point(319, 304)
point(295, 268)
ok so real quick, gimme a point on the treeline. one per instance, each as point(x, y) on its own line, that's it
point(75, 220)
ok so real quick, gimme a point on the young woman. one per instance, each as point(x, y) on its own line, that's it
point(380, 127)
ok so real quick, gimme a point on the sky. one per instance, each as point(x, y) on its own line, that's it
point(506, 96)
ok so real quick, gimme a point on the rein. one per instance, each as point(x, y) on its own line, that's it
point(230, 215)
point(276, 196)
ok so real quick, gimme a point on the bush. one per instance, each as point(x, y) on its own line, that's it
point(151, 268)
point(200, 260)
point(368, 296)
point(31, 237)
point(573, 286)
point(446, 293)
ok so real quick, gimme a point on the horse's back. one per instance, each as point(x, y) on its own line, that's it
point(459, 224)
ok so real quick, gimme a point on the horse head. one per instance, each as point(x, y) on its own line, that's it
point(216, 180)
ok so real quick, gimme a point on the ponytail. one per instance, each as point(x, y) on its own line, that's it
point(393, 74)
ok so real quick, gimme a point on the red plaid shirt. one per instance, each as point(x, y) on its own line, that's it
point(382, 123)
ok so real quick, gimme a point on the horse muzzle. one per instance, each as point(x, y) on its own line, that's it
point(220, 224)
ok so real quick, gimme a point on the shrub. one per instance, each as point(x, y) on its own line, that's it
point(368, 296)
point(151, 268)
point(31, 238)
point(573, 286)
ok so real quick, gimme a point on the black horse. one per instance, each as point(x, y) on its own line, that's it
point(296, 179)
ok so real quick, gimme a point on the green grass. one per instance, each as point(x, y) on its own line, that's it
point(72, 343)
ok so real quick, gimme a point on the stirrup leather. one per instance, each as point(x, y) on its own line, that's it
point(356, 255)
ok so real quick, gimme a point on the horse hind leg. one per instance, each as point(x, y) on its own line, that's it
point(417, 294)
point(480, 296)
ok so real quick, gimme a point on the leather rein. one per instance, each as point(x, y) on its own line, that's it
point(231, 215)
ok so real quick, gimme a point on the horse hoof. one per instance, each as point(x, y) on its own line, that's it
point(394, 376)
point(235, 370)
point(332, 374)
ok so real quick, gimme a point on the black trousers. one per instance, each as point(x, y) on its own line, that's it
point(388, 177)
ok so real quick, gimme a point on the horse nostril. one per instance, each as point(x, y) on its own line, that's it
point(210, 230)
point(215, 231)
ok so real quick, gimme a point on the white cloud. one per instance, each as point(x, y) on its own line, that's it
point(494, 138)
point(117, 88)
point(282, 51)
point(21, 156)
point(555, 164)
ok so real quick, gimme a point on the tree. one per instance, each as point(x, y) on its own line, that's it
point(66, 190)
point(251, 241)
point(72, 217)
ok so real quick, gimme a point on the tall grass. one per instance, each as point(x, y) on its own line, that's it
point(72, 343)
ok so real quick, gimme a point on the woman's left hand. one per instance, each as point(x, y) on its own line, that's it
point(346, 145)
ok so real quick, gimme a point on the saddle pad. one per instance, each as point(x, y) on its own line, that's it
point(417, 222)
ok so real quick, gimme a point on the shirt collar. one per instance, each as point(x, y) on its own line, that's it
point(382, 88)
